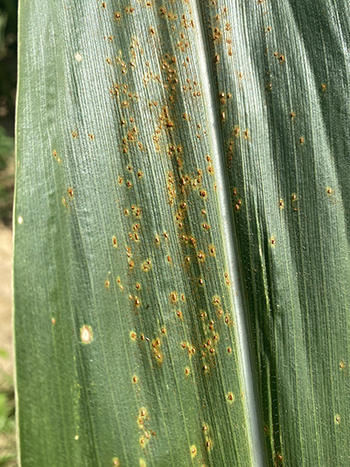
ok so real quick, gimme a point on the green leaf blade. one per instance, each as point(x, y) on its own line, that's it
point(284, 136)
point(181, 242)
point(152, 305)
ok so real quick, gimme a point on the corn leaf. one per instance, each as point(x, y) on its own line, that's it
point(181, 265)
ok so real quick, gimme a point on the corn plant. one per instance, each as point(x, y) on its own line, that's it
point(181, 264)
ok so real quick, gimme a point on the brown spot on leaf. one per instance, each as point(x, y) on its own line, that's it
point(86, 334)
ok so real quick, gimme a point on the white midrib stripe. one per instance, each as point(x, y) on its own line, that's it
point(229, 240)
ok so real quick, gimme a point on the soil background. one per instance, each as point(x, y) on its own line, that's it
point(7, 408)
point(6, 364)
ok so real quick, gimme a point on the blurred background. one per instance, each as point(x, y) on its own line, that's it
point(8, 76)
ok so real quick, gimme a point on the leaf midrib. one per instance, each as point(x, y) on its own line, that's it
point(229, 241)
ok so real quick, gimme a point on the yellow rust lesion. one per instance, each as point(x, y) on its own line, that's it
point(133, 336)
point(227, 279)
point(280, 57)
point(119, 282)
point(279, 461)
point(189, 347)
point(209, 444)
point(203, 194)
point(146, 265)
point(171, 188)
point(146, 436)
point(216, 300)
point(173, 297)
point(157, 354)
point(201, 256)
point(193, 451)
point(212, 250)
point(114, 241)
point(143, 440)
point(179, 314)
point(55, 155)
